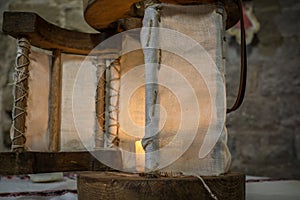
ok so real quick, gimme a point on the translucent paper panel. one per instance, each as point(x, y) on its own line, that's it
point(77, 90)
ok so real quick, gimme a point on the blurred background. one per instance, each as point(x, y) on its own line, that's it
point(264, 134)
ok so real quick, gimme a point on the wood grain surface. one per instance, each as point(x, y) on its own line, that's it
point(111, 186)
point(12, 163)
point(47, 36)
point(55, 102)
point(100, 14)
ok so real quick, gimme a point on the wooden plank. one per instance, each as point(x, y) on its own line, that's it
point(55, 102)
point(45, 35)
point(12, 163)
point(110, 186)
point(20, 95)
point(100, 14)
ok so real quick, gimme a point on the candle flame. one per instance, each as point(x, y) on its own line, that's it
point(140, 156)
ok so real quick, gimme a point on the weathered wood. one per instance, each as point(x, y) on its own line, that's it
point(112, 133)
point(41, 162)
point(100, 102)
point(45, 35)
point(20, 95)
point(99, 14)
point(110, 186)
point(55, 102)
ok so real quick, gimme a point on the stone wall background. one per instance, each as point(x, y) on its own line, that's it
point(264, 134)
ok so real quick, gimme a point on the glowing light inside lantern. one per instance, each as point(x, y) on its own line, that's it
point(140, 156)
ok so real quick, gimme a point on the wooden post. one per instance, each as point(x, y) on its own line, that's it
point(113, 82)
point(20, 95)
point(55, 102)
point(150, 44)
point(100, 103)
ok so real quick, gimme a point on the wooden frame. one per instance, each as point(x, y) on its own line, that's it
point(13, 163)
point(98, 13)
point(45, 35)
point(31, 29)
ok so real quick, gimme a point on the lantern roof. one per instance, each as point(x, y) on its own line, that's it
point(103, 14)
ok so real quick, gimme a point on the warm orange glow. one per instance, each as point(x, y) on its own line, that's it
point(140, 156)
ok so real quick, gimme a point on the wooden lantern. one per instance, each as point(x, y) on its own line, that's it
point(110, 18)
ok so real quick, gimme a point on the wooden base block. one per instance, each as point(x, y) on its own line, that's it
point(117, 185)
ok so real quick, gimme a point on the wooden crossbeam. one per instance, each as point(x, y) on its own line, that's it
point(45, 35)
point(13, 163)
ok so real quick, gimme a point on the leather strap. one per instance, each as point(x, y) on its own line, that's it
point(243, 73)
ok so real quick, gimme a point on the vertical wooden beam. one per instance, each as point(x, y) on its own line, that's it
point(55, 102)
point(149, 37)
point(100, 103)
point(20, 95)
point(113, 81)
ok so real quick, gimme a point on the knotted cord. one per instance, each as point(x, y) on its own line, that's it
point(113, 82)
point(100, 99)
point(20, 94)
